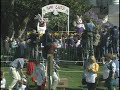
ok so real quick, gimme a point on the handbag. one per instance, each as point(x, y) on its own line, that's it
point(84, 79)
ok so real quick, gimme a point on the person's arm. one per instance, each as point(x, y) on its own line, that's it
point(21, 64)
point(103, 60)
point(22, 73)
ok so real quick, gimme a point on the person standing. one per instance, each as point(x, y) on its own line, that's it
point(116, 61)
point(90, 28)
point(40, 74)
point(6, 47)
point(16, 66)
point(91, 73)
point(115, 38)
point(33, 42)
point(47, 42)
point(96, 44)
point(55, 76)
point(21, 49)
point(110, 75)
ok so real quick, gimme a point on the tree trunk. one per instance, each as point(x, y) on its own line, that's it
point(11, 17)
point(22, 27)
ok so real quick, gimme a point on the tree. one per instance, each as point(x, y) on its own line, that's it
point(77, 7)
point(19, 14)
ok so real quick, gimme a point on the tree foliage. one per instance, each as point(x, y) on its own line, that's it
point(16, 12)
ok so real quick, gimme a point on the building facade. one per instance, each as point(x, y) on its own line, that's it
point(108, 7)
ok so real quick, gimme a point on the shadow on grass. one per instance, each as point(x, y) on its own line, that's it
point(31, 87)
point(84, 87)
point(72, 89)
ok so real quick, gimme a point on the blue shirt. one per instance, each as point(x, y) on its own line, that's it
point(89, 26)
point(17, 63)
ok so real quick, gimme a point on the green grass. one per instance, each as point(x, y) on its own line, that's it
point(74, 78)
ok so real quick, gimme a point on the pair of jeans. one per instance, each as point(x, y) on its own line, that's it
point(91, 86)
point(55, 80)
point(109, 84)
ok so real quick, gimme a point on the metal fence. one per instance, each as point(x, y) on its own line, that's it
point(67, 54)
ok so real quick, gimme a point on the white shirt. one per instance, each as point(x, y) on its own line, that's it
point(3, 83)
point(117, 65)
point(106, 70)
point(90, 76)
point(14, 44)
point(23, 87)
point(78, 43)
point(81, 25)
point(41, 30)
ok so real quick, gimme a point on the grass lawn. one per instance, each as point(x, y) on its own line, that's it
point(72, 72)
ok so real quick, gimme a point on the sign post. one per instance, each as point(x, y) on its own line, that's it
point(50, 70)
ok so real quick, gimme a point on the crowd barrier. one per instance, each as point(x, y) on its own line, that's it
point(69, 54)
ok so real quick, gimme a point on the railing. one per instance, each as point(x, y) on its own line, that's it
point(67, 54)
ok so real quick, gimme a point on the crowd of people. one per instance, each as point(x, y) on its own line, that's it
point(104, 41)
point(100, 43)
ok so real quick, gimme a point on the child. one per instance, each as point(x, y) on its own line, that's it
point(3, 81)
point(22, 84)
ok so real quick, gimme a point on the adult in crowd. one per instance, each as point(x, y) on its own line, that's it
point(21, 49)
point(16, 66)
point(7, 45)
point(104, 41)
point(115, 38)
point(109, 71)
point(55, 77)
point(33, 42)
point(91, 73)
point(96, 44)
point(90, 28)
point(116, 61)
point(14, 45)
point(47, 41)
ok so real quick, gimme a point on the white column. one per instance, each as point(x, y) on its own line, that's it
point(113, 16)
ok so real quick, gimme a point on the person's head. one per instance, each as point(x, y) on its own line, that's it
point(92, 59)
point(114, 56)
point(7, 38)
point(88, 20)
point(26, 60)
point(34, 31)
point(115, 27)
point(42, 23)
point(37, 62)
point(108, 57)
